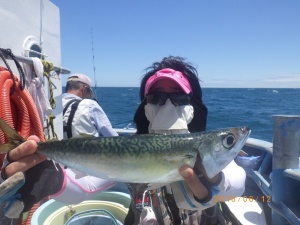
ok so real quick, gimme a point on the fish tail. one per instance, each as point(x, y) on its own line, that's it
point(14, 139)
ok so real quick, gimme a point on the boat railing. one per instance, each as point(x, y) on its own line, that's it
point(29, 61)
point(278, 174)
point(128, 130)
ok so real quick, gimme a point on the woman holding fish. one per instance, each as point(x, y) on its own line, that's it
point(171, 103)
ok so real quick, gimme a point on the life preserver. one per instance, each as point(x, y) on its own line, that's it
point(18, 110)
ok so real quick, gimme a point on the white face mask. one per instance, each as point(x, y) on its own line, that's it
point(169, 119)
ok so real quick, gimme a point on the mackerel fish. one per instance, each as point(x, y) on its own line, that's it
point(141, 158)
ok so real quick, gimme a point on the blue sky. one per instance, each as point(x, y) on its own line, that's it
point(233, 43)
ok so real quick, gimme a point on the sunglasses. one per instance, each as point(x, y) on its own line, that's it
point(160, 98)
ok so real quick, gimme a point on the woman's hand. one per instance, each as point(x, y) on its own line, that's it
point(22, 158)
point(17, 161)
point(42, 177)
point(191, 178)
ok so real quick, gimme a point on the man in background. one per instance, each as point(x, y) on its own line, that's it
point(82, 115)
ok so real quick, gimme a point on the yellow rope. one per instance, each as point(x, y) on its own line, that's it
point(50, 124)
point(48, 67)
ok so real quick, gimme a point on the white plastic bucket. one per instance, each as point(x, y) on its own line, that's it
point(53, 212)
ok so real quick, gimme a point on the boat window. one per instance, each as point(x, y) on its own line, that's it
point(32, 48)
point(35, 51)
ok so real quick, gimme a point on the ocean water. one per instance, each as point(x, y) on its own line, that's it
point(227, 107)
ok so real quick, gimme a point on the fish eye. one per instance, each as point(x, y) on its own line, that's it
point(228, 141)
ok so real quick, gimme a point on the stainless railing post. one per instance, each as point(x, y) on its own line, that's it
point(286, 145)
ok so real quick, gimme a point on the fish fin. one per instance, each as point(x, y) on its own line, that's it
point(14, 138)
point(6, 147)
point(188, 159)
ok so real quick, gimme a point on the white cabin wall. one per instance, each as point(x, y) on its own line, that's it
point(21, 19)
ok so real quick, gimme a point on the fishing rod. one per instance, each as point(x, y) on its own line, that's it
point(94, 68)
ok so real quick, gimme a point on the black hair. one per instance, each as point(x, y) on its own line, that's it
point(198, 122)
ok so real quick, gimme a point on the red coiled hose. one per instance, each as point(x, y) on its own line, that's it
point(19, 111)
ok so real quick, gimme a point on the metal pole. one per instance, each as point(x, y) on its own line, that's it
point(286, 145)
point(95, 80)
point(28, 60)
